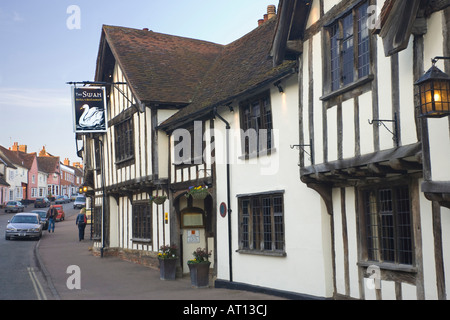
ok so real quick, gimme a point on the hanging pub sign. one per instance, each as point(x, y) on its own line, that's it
point(89, 109)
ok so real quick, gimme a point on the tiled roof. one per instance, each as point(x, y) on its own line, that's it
point(4, 157)
point(48, 164)
point(12, 158)
point(161, 68)
point(242, 66)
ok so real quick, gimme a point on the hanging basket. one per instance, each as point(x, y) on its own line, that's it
point(198, 193)
point(158, 200)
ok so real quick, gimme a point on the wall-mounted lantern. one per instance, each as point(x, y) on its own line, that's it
point(434, 92)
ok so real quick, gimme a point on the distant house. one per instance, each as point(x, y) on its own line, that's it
point(51, 166)
point(67, 178)
point(16, 174)
point(4, 186)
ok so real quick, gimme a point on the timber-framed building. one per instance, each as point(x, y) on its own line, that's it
point(322, 181)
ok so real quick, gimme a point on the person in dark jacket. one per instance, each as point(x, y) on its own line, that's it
point(81, 223)
point(52, 213)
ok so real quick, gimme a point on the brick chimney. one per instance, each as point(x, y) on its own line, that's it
point(23, 148)
point(66, 162)
point(17, 147)
point(271, 13)
point(77, 165)
point(43, 153)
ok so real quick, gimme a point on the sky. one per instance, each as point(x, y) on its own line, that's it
point(46, 43)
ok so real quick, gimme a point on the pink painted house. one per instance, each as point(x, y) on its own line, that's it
point(50, 165)
point(29, 161)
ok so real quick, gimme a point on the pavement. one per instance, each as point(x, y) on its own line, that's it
point(110, 278)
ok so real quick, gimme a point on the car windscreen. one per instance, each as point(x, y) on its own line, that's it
point(81, 199)
point(24, 219)
point(42, 214)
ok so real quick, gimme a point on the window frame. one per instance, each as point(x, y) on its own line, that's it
point(124, 154)
point(142, 221)
point(258, 225)
point(195, 159)
point(256, 105)
point(361, 71)
point(378, 257)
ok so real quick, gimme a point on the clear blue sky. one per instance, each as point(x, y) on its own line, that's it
point(39, 54)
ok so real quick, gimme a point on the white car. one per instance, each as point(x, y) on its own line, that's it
point(80, 202)
point(24, 225)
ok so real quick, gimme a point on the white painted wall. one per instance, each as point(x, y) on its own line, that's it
point(306, 267)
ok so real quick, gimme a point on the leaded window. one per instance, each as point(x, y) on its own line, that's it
point(256, 124)
point(142, 221)
point(388, 225)
point(349, 47)
point(262, 222)
point(124, 140)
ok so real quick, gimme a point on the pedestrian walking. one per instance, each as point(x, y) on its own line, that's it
point(81, 222)
point(52, 213)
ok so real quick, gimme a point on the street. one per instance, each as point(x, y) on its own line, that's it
point(46, 270)
point(20, 276)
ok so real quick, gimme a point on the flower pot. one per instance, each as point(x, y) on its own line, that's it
point(199, 274)
point(167, 269)
point(159, 200)
point(201, 195)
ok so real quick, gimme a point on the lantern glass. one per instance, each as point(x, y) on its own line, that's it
point(434, 90)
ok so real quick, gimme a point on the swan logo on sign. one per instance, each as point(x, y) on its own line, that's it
point(89, 108)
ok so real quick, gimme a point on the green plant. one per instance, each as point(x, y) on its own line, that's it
point(199, 192)
point(158, 199)
point(168, 252)
point(200, 256)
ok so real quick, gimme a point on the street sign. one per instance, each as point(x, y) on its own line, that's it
point(223, 209)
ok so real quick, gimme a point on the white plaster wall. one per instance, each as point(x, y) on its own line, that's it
point(332, 132)
point(338, 241)
point(384, 97)
point(350, 207)
point(305, 269)
point(429, 269)
point(406, 85)
point(348, 128)
point(318, 91)
point(366, 131)
point(327, 5)
point(314, 16)
point(409, 291)
point(445, 219)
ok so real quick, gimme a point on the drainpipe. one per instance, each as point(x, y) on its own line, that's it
point(230, 261)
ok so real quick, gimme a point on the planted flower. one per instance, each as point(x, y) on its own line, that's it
point(200, 256)
point(199, 192)
point(168, 252)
